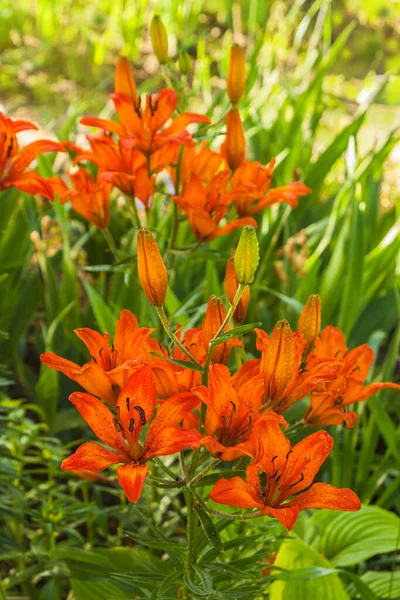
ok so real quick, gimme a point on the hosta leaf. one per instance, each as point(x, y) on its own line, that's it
point(348, 538)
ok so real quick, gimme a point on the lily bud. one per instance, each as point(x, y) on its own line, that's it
point(236, 81)
point(159, 39)
point(278, 363)
point(247, 255)
point(231, 286)
point(215, 315)
point(235, 142)
point(184, 62)
point(310, 321)
point(151, 268)
point(124, 82)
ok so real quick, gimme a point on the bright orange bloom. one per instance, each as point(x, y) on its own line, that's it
point(236, 80)
point(230, 414)
point(133, 411)
point(109, 368)
point(90, 197)
point(124, 82)
point(201, 160)
point(234, 146)
point(281, 367)
point(288, 471)
point(206, 205)
point(330, 399)
point(309, 323)
point(14, 161)
point(143, 127)
point(231, 286)
point(124, 168)
point(151, 268)
point(250, 184)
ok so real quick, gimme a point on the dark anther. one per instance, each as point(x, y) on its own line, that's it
point(131, 425)
point(287, 455)
point(94, 359)
point(299, 481)
point(117, 411)
point(274, 458)
point(128, 403)
point(118, 425)
point(338, 401)
point(233, 405)
point(142, 415)
point(357, 368)
point(10, 147)
point(101, 352)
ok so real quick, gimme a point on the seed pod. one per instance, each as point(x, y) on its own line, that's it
point(159, 39)
point(235, 142)
point(236, 81)
point(151, 268)
point(247, 255)
point(231, 286)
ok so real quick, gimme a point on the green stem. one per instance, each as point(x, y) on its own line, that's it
point(190, 530)
point(135, 214)
point(295, 426)
point(111, 244)
point(163, 318)
point(204, 471)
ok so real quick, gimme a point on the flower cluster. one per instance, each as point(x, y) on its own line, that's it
point(202, 404)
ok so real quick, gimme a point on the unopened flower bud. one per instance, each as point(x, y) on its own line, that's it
point(247, 255)
point(231, 287)
point(124, 82)
point(236, 81)
point(151, 268)
point(184, 62)
point(215, 316)
point(278, 363)
point(310, 320)
point(159, 39)
point(235, 142)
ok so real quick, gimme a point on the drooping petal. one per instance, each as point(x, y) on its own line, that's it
point(28, 154)
point(235, 492)
point(131, 478)
point(369, 390)
point(235, 224)
point(323, 495)
point(91, 457)
point(105, 124)
point(100, 420)
point(30, 182)
point(286, 515)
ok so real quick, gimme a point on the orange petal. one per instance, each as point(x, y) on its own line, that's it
point(304, 463)
point(30, 183)
point(95, 342)
point(286, 516)
point(171, 440)
point(235, 224)
point(100, 420)
point(91, 457)
point(131, 478)
point(105, 124)
point(235, 492)
point(28, 154)
point(172, 412)
point(141, 391)
point(323, 495)
point(59, 363)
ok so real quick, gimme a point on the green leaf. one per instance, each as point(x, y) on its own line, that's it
point(349, 538)
point(96, 590)
point(236, 331)
point(295, 556)
point(102, 312)
point(186, 364)
point(383, 584)
point(209, 529)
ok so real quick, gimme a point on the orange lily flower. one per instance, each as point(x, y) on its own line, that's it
point(202, 161)
point(109, 368)
point(133, 411)
point(330, 399)
point(250, 183)
point(124, 168)
point(14, 160)
point(205, 206)
point(143, 127)
point(230, 414)
point(90, 197)
point(281, 367)
point(289, 472)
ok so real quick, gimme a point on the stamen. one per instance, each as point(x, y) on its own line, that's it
point(128, 403)
point(299, 481)
point(233, 405)
point(131, 425)
point(94, 359)
point(287, 455)
point(142, 415)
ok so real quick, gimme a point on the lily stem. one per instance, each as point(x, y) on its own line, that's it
point(111, 244)
point(135, 214)
point(204, 471)
point(164, 321)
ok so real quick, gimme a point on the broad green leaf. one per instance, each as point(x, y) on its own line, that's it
point(349, 538)
point(102, 589)
point(295, 555)
point(384, 584)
